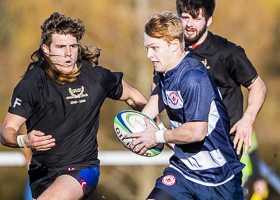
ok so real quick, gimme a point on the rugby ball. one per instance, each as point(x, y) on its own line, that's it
point(130, 121)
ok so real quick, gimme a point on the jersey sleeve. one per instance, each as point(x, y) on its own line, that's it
point(197, 93)
point(24, 99)
point(240, 67)
point(112, 83)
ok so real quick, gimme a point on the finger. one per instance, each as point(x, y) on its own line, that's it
point(232, 130)
point(250, 141)
point(137, 148)
point(235, 141)
point(132, 135)
point(247, 143)
point(143, 150)
point(134, 144)
point(45, 143)
point(42, 138)
point(37, 133)
point(239, 147)
point(45, 147)
point(140, 149)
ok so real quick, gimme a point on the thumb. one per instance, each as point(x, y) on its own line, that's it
point(147, 121)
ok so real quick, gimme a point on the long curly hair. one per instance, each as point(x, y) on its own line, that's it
point(61, 24)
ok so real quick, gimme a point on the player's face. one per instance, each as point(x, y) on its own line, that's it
point(195, 29)
point(63, 51)
point(159, 53)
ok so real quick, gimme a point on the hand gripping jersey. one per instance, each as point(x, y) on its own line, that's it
point(70, 112)
point(190, 94)
point(229, 67)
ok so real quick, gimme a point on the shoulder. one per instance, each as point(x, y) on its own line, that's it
point(32, 79)
point(193, 77)
point(223, 44)
point(98, 74)
point(95, 71)
point(193, 73)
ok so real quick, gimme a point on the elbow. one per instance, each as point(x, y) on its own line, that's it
point(2, 141)
point(201, 131)
point(200, 137)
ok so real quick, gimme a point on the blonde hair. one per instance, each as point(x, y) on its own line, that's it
point(165, 25)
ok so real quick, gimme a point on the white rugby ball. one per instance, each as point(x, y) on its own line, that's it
point(130, 121)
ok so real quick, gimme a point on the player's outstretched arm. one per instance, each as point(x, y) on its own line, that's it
point(135, 99)
point(35, 139)
point(244, 127)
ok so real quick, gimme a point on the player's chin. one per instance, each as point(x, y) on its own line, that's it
point(158, 69)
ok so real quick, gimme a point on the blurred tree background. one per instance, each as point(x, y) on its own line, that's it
point(116, 26)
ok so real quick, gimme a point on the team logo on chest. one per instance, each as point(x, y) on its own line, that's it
point(77, 93)
point(174, 99)
point(205, 63)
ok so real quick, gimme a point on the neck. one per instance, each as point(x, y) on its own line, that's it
point(202, 38)
point(179, 56)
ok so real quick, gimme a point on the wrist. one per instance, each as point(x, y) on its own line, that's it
point(160, 136)
point(20, 141)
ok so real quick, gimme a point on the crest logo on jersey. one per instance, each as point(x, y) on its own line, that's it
point(168, 180)
point(77, 93)
point(205, 63)
point(174, 99)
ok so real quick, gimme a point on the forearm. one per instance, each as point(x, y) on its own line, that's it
point(137, 101)
point(189, 132)
point(256, 98)
point(8, 137)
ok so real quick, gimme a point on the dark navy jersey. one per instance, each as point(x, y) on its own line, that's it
point(229, 67)
point(69, 112)
point(190, 94)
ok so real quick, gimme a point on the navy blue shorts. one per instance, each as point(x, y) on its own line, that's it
point(172, 185)
point(41, 177)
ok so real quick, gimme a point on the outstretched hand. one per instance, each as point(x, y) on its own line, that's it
point(243, 134)
point(37, 140)
point(145, 139)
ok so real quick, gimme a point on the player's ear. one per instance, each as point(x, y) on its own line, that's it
point(175, 44)
point(46, 50)
point(209, 22)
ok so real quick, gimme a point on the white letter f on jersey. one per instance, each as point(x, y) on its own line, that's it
point(17, 102)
